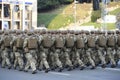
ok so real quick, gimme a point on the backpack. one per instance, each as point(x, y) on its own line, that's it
point(59, 42)
point(91, 42)
point(102, 41)
point(32, 43)
point(19, 42)
point(7, 41)
point(80, 42)
point(111, 41)
point(69, 41)
point(47, 41)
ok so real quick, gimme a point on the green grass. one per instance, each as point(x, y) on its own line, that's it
point(110, 26)
point(60, 21)
point(63, 16)
point(115, 12)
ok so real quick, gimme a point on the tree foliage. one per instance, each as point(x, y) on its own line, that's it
point(51, 4)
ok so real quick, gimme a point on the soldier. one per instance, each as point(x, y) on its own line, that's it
point(69, 43)
point(1, 35)
point(5, 40)
point(117, 55)
point(91, 44)
point(30, 45)
point(46, 43)
point(111, 49)
point(101, 42)
point(79, 45)
point(17, 43)
point(58, 45)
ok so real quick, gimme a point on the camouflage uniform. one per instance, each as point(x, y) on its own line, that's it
point(91, 44)
point(58, 56)
point(69, 44)
point(111, 49)
point(17, 44)
point(101, 42)
point(6, 50)
point(30, 45)
point(45, 49)
point(80, 45)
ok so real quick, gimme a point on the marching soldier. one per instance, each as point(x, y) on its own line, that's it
point(80, 45)
point(30, 45)
point(111, 41)
point(44, 51)
point(5, 41)
point(91, 44)
point(17, 43)
point(101, 42)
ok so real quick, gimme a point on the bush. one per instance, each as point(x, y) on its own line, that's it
point(95, 15)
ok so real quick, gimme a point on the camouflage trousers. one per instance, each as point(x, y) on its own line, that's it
point(31, 61)
point(110, 56)
point(5, 58)
point(89, 53)
point(18, 59)
point(55, 59)
point(101, 55)
point(67, 58)
point(43, 61)
point(117, 55)
point(77, 60)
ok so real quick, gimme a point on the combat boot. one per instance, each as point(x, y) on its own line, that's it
point(113, 66)
point(82, 67)
point(93, 67)
point(70, 68)
point(34, 72)
point(47, 70)
point(60, 70)
point(103, 65)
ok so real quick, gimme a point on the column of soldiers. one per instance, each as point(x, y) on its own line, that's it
point(58, 50)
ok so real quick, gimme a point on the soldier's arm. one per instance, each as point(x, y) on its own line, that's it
point(25, 43)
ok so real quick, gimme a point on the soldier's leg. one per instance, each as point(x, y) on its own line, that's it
point(110, 54)
point(78, 62)
point(102, 58)
point(88, 53)
point(15, 63)
point(20, 62)
point(33, 65)
point(117, 55)
point(27, 65)
point(45, 63)
point(7, 60)
point(57, 61)
point(68, 61)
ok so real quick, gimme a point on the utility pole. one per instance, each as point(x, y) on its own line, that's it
point(103, 14)
point(75, 13)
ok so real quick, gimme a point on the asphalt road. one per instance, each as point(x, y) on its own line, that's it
point(87, 74)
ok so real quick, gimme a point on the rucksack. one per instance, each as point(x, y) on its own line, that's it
point(7, 41)
point(91, 41)
point(80, 42)
point(47, 41)
point(59, 42)
point(111, 41)
point(19, 42)
point(69, 41)
point(102, 41)
point(32, 43)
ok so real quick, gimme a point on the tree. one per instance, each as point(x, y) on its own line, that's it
point(96, 5)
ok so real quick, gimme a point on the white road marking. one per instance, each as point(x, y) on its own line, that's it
point(58, 73)
point(64, 74)
point(112, 69)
